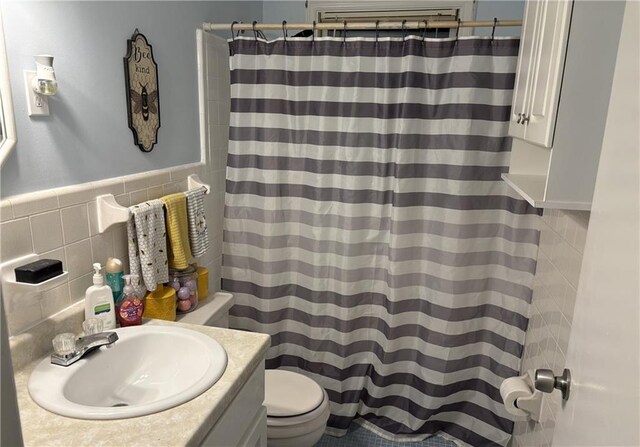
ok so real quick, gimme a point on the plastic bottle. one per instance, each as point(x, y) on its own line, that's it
point(129, 306)
point(98, 301)
point(114, 274)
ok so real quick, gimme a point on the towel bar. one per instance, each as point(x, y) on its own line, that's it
point(111, 212)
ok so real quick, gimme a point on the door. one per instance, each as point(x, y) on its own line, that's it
point(604, 347)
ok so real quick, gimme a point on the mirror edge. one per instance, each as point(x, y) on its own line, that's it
point(6, 101)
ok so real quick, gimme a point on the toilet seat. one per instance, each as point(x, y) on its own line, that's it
point(297, 409)
point(291, 395)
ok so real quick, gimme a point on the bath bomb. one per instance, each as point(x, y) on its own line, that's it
point(184, 293)
point(184, 305)
point(192, 285)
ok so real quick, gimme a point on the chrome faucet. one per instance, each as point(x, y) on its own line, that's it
point(83, 345)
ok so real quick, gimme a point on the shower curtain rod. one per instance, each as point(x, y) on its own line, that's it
point(420, 24)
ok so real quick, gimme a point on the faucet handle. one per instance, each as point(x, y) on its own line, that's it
point(64, 344)
point(92, 326)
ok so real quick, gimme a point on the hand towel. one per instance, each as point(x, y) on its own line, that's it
point(177, 233)
point(147, 245)
point(198, 236)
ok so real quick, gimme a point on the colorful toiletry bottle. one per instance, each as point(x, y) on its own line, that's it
point(114, 274)
point(129, 306)
point(98, 301)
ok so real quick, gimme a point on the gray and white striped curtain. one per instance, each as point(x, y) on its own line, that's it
point(368, 231)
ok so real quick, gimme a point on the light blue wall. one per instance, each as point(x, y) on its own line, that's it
point(86, 137)
point(295, 11)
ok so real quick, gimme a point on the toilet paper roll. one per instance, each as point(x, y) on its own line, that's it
point(512, 389)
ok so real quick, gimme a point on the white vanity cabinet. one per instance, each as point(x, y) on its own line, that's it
point(560, 101)
point(244, 422)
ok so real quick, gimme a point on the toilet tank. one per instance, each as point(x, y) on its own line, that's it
point(214, 311)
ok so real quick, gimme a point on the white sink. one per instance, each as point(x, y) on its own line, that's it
point(149, 369)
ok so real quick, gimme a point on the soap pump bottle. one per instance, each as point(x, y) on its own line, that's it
point(130, 306)
point(98, 301)
point(114, 275)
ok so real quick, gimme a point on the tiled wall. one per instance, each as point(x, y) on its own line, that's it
point(61, 223)
point(562, 238)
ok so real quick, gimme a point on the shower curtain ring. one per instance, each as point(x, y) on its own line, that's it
point(284, 30)
point(457, 30)
point(424, 31)
point(377, 31)
point(404, 29)
point(253, 26)
point(313, 33)
point(493, 31)
point(344, 32)
point(232, 25)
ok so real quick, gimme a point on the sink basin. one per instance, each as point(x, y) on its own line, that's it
point(149, 369)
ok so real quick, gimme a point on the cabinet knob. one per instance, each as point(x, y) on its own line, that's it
point(519, 118)
point(525, 119)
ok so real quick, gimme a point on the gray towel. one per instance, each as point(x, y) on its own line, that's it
point(146, 233)
point(198, 236)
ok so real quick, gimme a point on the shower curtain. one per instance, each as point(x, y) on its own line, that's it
point(368, 232)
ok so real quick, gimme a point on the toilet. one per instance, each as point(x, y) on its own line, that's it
point(297, 409)
point(297, 406)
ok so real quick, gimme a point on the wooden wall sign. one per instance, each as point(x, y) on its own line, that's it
point(143, 103)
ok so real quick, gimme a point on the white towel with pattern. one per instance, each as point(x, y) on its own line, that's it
point(198, 235)
point(146, 233)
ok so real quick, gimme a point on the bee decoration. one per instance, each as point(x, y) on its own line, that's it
point(142, 92)
point(144, 102)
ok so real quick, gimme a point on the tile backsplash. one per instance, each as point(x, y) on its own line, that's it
point(61, 223)
point(562, 239)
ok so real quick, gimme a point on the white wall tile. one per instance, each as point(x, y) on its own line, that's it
point(34, 203)
point(6, 210)
point(75, 195)
point(138, 196)
point(16, 239)
point(79, 258)
point(46, 231)
point(557, 276)
point(78, 287)
point(75, 223)
point(54, 300)
point(102, 247)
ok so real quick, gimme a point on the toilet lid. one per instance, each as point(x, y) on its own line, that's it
point(290, 394)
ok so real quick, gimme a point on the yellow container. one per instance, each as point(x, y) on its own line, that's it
point(203, 283)
point(160, 304)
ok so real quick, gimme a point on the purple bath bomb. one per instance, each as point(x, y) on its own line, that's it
point(175, 284)
point(192, 285)
point(184, 293)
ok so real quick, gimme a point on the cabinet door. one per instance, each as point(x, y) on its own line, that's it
point(524, 70)
point(546, 79)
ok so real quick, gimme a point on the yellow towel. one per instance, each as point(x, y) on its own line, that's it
point(177, 230)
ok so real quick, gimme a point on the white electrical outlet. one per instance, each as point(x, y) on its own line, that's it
point(37, 105)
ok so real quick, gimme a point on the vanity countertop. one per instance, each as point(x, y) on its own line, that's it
point(186, 424)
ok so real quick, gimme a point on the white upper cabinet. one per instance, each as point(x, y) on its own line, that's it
point(539, 73)
point(561, 98)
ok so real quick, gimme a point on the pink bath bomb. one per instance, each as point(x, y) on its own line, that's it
point(184, 305)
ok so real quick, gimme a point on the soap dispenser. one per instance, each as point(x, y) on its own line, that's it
point(98, 301)
point(129, 306)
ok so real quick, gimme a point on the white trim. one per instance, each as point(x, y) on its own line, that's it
point(6, 103)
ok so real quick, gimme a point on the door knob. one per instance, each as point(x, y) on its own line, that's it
point(519, 118)
point(525, 119)
point(546, 382)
